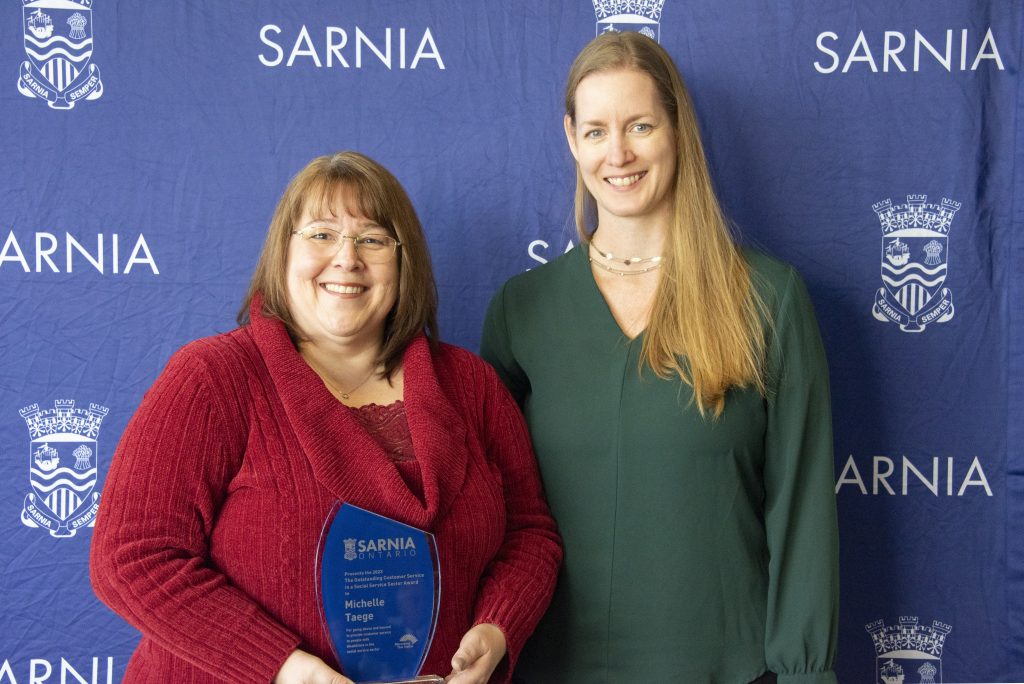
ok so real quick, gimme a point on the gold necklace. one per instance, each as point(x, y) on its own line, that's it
point(620, 272)
point(337, 390)
point(345, 395)
point(608, 256)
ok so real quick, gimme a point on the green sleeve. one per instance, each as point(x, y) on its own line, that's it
point(800, 507)
point(496, 348)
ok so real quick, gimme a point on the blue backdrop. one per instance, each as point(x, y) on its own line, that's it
point(875, 145)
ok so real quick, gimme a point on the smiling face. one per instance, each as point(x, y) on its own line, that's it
point(625, 147)
point(339, 297)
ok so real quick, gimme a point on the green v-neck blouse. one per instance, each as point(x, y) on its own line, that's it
point(696, 550)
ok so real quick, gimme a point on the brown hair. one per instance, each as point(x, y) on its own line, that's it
point(380, 197)
point(707, 323)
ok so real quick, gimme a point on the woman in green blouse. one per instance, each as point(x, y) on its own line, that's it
point(677, 394)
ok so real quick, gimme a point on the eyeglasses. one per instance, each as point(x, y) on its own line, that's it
point(372, 247)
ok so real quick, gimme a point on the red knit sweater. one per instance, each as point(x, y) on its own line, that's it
point(207, 536)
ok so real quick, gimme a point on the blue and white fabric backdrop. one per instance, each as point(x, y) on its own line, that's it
point(875, 145)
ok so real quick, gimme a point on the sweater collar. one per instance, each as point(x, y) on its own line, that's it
point(345, 459)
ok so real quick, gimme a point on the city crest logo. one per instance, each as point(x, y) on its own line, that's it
point(58, 44)
point(642, 16)
point(915, 255)
point(350, 549)
point(62, 463)
point(908, 653)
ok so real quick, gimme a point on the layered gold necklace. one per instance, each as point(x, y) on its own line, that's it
point(655, 262)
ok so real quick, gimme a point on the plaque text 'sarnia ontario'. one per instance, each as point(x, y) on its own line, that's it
point(386, 545)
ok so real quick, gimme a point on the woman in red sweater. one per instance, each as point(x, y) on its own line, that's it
point(334, 388)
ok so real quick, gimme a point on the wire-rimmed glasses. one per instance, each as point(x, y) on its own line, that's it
point(371, 247)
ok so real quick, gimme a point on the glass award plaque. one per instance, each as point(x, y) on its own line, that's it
point(379, 587)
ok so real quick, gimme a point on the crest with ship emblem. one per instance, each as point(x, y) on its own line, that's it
point(908, 653)
point(62, 466)
point(642, 16)
point(915, 241)
point(58, 44)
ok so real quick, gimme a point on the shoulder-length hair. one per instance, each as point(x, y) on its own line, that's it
point(707, 323)
point(378, 196)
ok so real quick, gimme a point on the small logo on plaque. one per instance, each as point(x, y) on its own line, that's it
point(407, 641)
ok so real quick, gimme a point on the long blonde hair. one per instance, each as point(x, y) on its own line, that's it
point(707, 322)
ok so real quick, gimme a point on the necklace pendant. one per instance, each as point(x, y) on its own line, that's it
point(627, 261)
point(620, 272)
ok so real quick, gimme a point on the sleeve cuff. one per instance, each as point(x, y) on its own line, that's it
point(258, 657)
point(516, 627)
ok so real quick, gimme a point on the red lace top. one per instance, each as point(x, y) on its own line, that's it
point(389, 428)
